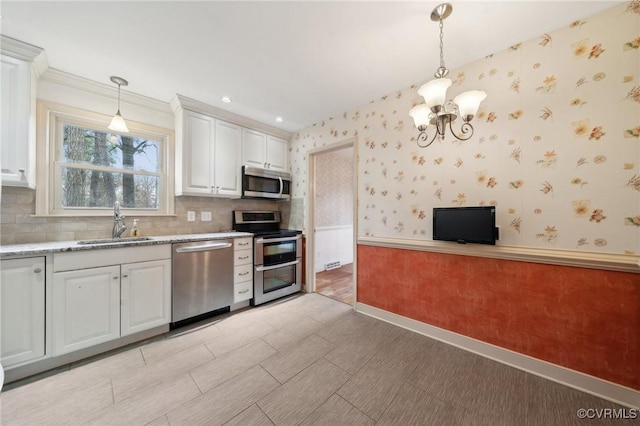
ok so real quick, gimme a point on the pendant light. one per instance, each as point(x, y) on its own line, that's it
point(117, 122)
point(437, 111)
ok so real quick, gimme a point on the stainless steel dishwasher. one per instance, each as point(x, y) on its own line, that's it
point(202, 278)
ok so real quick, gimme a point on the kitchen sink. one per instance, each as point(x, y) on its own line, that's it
point(115, 240)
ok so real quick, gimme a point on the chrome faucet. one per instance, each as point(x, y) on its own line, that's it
point(118, 221)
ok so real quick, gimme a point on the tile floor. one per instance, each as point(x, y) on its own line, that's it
point(306, 360)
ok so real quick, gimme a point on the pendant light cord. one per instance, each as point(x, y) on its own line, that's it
point(442, 71)
point(441, 45)
point(118, 99)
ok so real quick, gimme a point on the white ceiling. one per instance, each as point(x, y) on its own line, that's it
point(301, 60)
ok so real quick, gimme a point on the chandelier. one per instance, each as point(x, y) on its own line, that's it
point(438, 112)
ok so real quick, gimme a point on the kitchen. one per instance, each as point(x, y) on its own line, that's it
point(70, 229)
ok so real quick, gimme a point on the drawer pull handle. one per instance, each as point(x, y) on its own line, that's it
point(244, 273)
point(243, 244)
point(244, 291)
point(243, 257)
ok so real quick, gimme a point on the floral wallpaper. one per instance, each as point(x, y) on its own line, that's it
point(556, 146)
point(334, 189)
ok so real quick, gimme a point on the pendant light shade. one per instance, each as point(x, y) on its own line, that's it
point(435, 91)
point(469, 102)
point(117, 122)
point(421, 114)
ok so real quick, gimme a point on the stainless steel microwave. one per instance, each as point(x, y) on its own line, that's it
point(265, 183)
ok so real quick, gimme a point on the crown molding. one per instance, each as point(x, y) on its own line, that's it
point(25, 52)
point(180, 102)
point(579, 259)
point(19, 49)
point(102, 89)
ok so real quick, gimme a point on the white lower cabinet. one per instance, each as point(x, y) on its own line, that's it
point(146, 296)
point(22, 298)
point(86, 308)
point(243, 269)
point(103, 303)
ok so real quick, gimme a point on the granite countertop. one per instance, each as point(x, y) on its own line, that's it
point(63, 246)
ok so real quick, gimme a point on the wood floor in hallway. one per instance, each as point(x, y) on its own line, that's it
point(336, 283)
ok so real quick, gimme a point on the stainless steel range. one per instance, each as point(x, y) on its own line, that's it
point(277, 269)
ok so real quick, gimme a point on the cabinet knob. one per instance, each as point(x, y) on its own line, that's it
point(37, 270)
point(115, 277)
point(125, 275)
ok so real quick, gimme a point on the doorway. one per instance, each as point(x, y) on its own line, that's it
point(332, 219)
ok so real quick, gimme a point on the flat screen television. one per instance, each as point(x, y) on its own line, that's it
point(465, 224)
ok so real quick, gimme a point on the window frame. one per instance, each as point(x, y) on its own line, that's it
point(49, 137)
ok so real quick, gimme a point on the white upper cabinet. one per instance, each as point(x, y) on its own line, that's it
point(264, 151)
point(254, 151)
point(276, 153)
point(208, 163)
point(17, 121)
point(213, 144)
point(226, 155)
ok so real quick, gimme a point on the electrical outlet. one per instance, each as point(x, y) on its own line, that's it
point(191, 216)
point(205, 216)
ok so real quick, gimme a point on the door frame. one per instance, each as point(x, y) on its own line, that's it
point(310, 211)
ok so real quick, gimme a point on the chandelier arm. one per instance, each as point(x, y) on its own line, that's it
point(464, 129)
point(423, 137)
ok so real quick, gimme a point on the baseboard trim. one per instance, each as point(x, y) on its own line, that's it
point(601, 388)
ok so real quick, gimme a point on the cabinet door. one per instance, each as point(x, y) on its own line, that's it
point(146, 295)
point(276, 153)
point(15, 132)
point(254, 148)
point(228, 139)
point(22, 284)
point(198, 152)
point(86, 308)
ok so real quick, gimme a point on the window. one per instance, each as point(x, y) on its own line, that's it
point(90, 167)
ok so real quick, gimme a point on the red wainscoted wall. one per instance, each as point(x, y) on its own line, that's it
point(583, 319)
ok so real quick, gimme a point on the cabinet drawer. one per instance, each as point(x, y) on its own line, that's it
point(242, 291)
point(242, 243)
point(243, 273)
point(242, 257)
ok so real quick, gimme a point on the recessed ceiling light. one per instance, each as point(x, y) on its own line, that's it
point(279, 119)
point(225, 99)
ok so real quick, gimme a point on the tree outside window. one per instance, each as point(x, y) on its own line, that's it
point(99, 168)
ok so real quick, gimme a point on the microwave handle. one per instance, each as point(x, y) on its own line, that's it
point(281, 186)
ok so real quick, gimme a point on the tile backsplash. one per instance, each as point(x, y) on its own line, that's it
point(18, 224)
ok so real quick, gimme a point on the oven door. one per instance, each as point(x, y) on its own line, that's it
point(278, 269)
point(261, 183)
point(273, 282)
point(274, 251)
